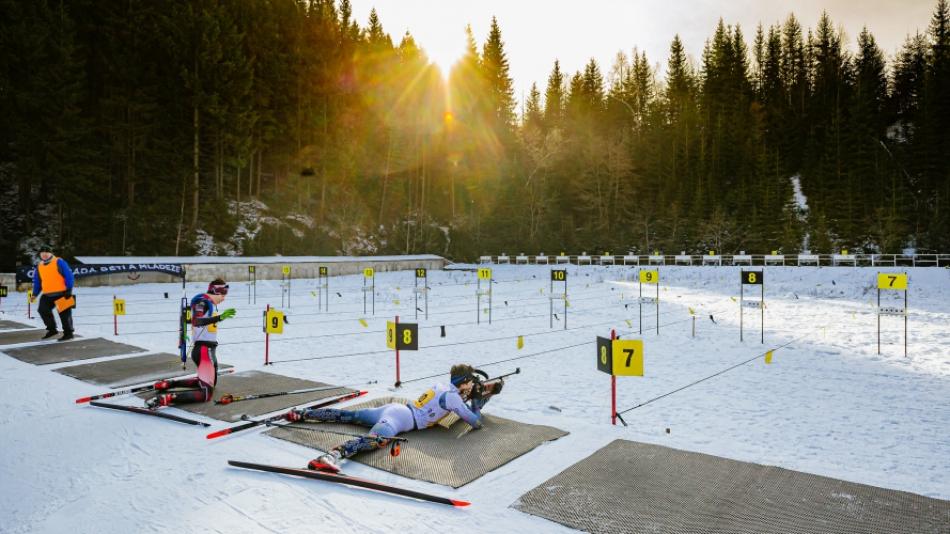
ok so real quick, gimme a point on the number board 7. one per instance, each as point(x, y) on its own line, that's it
point(484, 273)
point(753, 277)
point(649, 277)
point(420, 273)
point(627, 357)
point(892, 281)
point(559, 275)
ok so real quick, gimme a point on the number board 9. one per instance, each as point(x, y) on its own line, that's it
point(286, 269)
point(484, 273)
point(649, 277)
point(420, 273)
point(627, 357)
point(274, 322)
point(323, 271)
point(605, 360)
point(892, 281)
point(752, 277)
point(559, 275)
point(368, 272)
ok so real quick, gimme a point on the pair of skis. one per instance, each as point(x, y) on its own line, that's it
point(135, 389)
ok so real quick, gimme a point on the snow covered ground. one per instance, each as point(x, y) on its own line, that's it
point(828, 404)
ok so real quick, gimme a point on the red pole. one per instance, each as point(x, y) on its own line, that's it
point(29, 301)
point(613, 388)
point(266, 338)
point(397, 349)
point(115, 319)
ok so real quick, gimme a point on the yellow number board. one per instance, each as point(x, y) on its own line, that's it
point(484, 273)
point(368, 272)
point(274, 322)
point(892, 281)
point(286, 270)
point(649, 277)
point(628, 357)
point(390, 335)
point(118, 307)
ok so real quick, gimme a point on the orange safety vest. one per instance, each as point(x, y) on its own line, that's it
point(51, 281)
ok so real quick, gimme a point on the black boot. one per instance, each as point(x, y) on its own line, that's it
point(50, 333)
point(66, 336)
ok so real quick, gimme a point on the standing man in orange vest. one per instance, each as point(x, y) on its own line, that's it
point(54, 278)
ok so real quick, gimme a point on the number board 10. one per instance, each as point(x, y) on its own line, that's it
point(420, 273)
point(484, 273)
point(274, 322)
point(649, 277)
point(752, 277)
point(892, 281)
point(402, 336)
point(559, 275)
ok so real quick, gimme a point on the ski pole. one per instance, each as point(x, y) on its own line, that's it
point(338, 433)
point(254, 423)
point(228, 398)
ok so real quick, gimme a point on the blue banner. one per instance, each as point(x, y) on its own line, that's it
point(24, 274)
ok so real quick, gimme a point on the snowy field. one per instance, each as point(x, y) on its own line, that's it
point(828, 404)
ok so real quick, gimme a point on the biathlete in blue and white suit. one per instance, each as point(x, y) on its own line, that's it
point(204, 332)
point(393, 419)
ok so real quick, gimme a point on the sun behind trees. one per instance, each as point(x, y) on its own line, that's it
point(241, 126)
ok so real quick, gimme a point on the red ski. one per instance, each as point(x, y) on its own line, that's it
point(252, 424)
point(340, 478)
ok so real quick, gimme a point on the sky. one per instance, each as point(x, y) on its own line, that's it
point(536, 32)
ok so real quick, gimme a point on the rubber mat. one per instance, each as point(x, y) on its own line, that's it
point(128, 371)
point(23, 336)
point(68, 351)
point(13, 325)
point(257, 382)
point(638, 487)
point(452, 457)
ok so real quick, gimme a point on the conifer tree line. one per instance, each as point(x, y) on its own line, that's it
point(137, 127)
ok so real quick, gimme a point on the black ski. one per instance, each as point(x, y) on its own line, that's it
point(146, 411)
point(137, 389)
point(349, 481)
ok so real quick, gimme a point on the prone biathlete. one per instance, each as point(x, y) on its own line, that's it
point(392, 419)
point(204, 332)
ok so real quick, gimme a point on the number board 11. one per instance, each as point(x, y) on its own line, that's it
point(118, 307)
point(753, 277)
point(559, 275)
point(484, 273)
point(420, 273)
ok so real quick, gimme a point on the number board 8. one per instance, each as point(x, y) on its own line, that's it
point(605, 361)
point(484, 273)
point(649, 277)
point(420, 273)
point(753, 277)
point(559, 275)
point(892, 281)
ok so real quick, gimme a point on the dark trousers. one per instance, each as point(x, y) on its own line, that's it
point(46, 307)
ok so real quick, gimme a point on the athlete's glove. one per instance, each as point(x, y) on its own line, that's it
point(228, 313)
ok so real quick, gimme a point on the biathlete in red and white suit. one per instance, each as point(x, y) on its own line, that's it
point(204, 332)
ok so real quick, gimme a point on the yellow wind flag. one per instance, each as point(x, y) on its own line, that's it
point(313, 293)
point(567, 304)
point(541, 291)
point(363, 322)
point(629, 324)
point(733, 299)
point(396, 302)
point(768, 357)
point(691, 311)
point(520, 342)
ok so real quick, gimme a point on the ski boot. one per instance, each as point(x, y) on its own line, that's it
point(159, 401)
point(328, 463)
